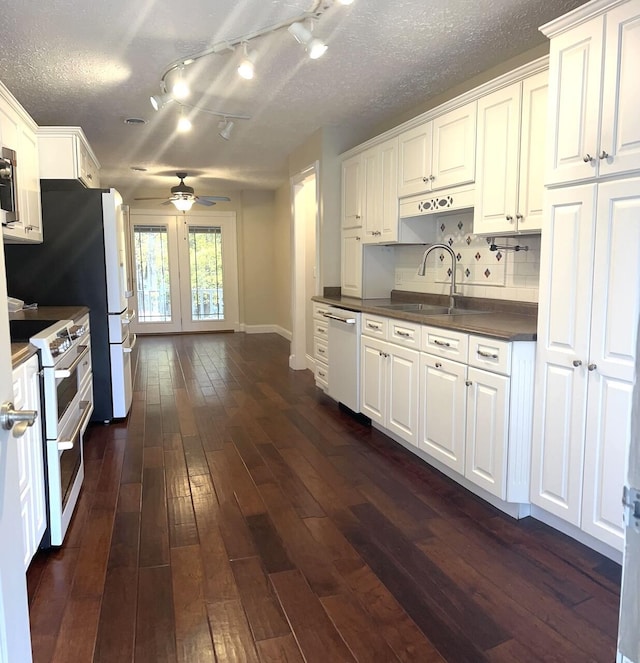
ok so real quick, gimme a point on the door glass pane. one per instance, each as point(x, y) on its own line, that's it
point(205, 263)
point(152, 273)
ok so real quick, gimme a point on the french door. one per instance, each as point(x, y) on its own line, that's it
point(186, 272)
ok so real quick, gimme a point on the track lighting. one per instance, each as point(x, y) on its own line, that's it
point(225, 127)
point(183, 203)
point(184, 123)
point(160, 100)
point(246, 69)
point(315, 47)
point(346, 2)
point(180, 89)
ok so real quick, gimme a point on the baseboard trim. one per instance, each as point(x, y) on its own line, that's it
point(266, 329)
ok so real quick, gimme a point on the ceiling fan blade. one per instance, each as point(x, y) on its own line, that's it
point(167, 202)
point(224, 199)
point(202, 201)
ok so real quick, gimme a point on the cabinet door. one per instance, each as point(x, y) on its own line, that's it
point(575, 69)
point(533, 134)
point(442, 407)
point(351, 256)
point(612, 357)
point(352, 192)
point(564, 314)
point(402, 392)
point(453, 157)
point(371, 196)
point(414, 160)
point(389, 210)
point(373, 364)
point(487, 431)
point(29, 184)
point(497, 161)
point(620, 137)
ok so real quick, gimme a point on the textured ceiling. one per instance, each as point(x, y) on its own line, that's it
point(93, 64)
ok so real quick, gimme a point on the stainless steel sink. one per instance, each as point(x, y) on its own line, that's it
point(429, 309)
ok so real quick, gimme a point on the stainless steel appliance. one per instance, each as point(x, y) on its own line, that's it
point(83, 261)
point(344, 356)
point(65, 357)
point(8, 188)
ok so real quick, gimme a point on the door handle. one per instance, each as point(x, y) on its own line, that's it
point(19, 420)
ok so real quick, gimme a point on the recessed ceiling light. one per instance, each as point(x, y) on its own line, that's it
point(138, 169)
point(135, 120)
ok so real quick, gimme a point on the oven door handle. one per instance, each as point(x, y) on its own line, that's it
point(66, 373)
point(132, 344)
point(65, 445)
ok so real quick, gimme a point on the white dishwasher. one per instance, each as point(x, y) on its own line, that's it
point(344, 356)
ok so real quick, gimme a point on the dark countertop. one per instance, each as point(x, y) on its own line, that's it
point(51, 313)
point(507, 321)
point(20, 352)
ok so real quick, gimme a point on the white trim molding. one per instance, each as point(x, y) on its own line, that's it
point(266, 329)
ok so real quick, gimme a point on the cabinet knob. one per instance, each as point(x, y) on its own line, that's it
point(432, 177)
point(519, 216)
point(438, 364)
point(587, 158)
point(577, 362)
point(604, 155)
point(468, 383)
point(358, 216)
point(509, 218)
point(357, 238)
point(592, 367)
point(425, 179)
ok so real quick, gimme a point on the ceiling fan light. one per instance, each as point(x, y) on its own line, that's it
point(183, 204)
point(226, 127)
point(184, 124)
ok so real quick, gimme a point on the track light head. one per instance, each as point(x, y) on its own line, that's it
point(225, 128)
point(160, 100)
point(246, 69)
point(315, 47)
point(184, 124)
point(180, 89)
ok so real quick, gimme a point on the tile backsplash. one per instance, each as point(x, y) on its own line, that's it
point(480, 272)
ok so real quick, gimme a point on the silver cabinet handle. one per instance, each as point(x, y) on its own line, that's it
point(399, 332)
point(488, 355)
point(587, 158)
point(370, 325)
point(443, 344)
point(592, 367)
point(357, 236)
point(347, 321)
point(577, 362)
point(358, 216)
point(603, 155)
point(320, 351)
point(19, 420)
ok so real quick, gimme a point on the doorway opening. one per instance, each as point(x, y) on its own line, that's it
point(186, 272)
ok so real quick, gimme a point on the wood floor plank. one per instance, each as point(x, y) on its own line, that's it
point(182, 522)
point(154, 531)
point(269, 545)
point(316, 636)
point(279, 650)
point(244, 489)
point(76, 639)
point(231, 634)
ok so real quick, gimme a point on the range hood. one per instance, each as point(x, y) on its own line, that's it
point(442, 202)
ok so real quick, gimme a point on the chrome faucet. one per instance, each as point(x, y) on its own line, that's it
point(423, 266)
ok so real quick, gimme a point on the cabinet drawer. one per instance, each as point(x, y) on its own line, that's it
point(445, 343)
point(321, 349)
point(490, 354)
point(320, 328)
point(322, 375)
point(319, 310)
point(404, 333)
point(374, 325)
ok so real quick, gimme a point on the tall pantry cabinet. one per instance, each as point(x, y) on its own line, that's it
point(589, 302)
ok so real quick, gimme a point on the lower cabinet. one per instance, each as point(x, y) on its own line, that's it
point(389, 386)
point(26, 394)
point(321, 345)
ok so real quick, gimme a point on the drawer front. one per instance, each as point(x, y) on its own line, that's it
point(445, 343)
point(404, 333)
point(374, 325)
point(319, 310)
point(321, 328)
point(490, 354)
point(322, 376)
point(320, 349)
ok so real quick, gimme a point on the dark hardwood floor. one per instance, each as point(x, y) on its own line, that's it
point(239, 515)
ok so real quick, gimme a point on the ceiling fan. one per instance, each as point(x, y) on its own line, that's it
point(183, 196)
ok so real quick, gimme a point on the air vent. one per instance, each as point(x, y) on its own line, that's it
point(135, 120)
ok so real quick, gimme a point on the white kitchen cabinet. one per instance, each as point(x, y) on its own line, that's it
point(438, 154)
point(26, 390)
point(389, 386)
point(593, 99)
point(442, 406)
point(587, 347)
point(351, 256)
point(321, 345)
point(18, 132)
point(65, 154)
point(352, 192)
point(510, 158)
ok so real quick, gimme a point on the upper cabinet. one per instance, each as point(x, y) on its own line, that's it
point(594, 105)
point(510, 158)
point(65, 154)
point(438, 154)
point(18, 133)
